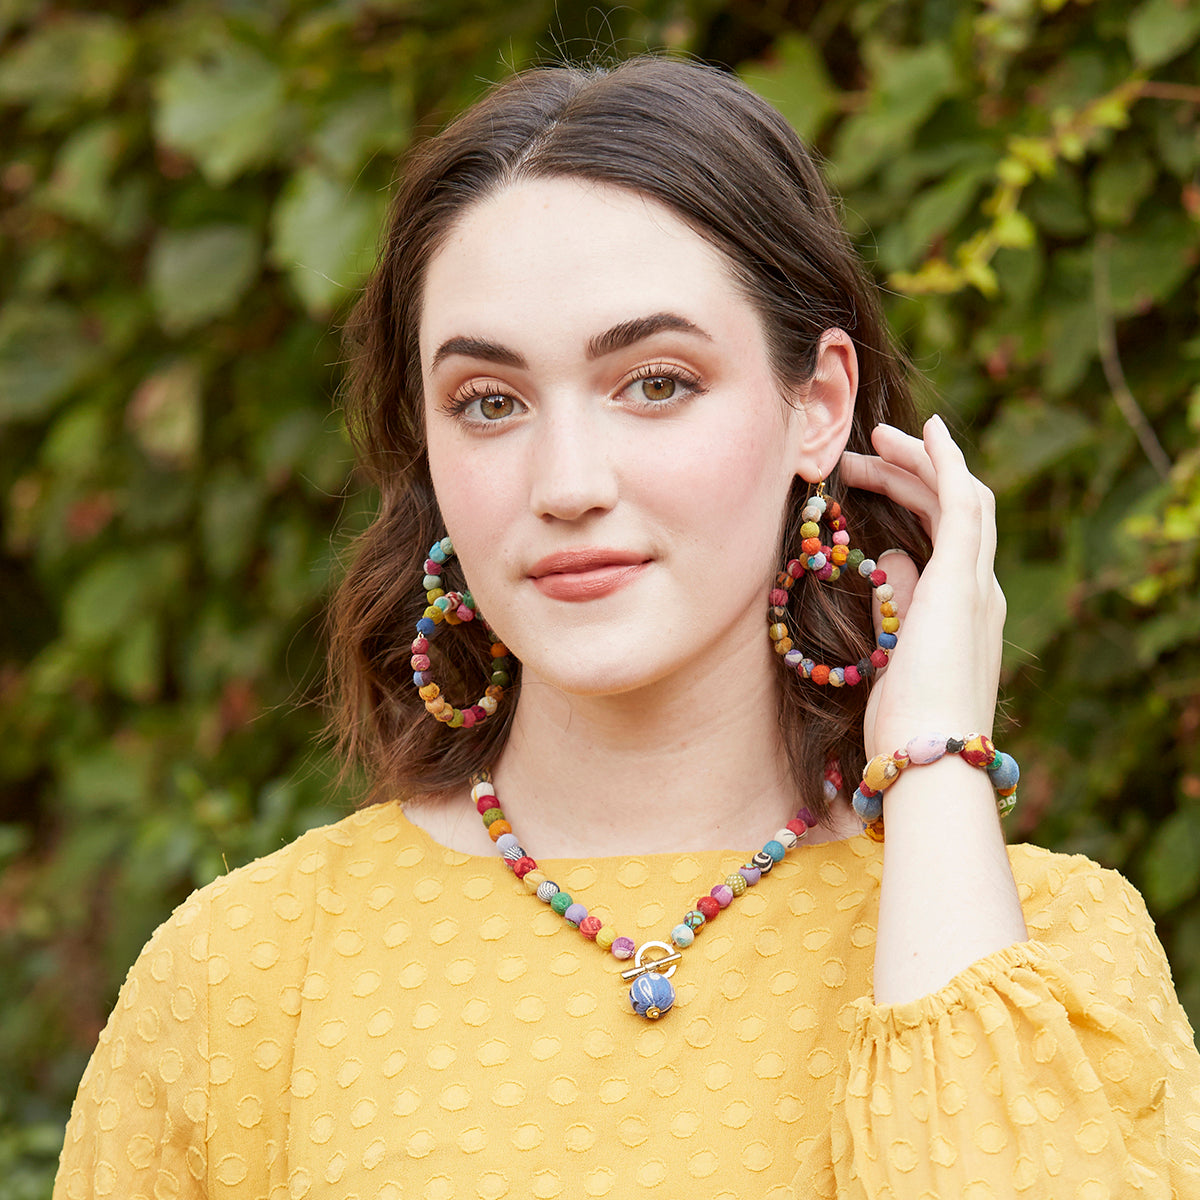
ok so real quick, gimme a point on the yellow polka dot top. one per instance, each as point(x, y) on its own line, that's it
point(366, 1015)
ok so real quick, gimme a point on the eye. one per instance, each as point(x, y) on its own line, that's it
point(495, 407)
point(658, 388)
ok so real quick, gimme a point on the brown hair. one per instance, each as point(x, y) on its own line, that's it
point(729, 165)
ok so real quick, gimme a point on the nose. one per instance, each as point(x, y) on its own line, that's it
point(573, 464)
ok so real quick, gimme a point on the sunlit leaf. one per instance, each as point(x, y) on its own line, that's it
point(324, 236)
point(164, 413)
point(224, 110)
point(1161, 30)
point(796, 81)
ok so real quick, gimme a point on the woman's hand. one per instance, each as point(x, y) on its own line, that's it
point(945, 669)
point(948, 896)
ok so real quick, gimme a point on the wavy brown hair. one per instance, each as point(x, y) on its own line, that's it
point(729, 165)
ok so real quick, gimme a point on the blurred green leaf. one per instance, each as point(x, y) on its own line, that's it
point(77, 57)
point(373, 120)
point(79, 188)
point(45, 350)
point(1161, 30)
point(797, 83)
point(324, 236)
point(102, 603)
point(1172, 861)
point(224, 109)
point(1027, 437)
point(199, 274)
point(1150, 261)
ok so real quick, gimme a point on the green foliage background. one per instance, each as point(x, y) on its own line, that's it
point(189, 193)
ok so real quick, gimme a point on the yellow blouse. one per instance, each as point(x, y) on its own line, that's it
point(366, 1015)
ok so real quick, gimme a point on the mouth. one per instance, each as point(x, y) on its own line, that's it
point(587, 573)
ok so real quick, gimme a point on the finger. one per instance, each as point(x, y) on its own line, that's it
point(895, 446)
point(961, 507)
point(874, 475)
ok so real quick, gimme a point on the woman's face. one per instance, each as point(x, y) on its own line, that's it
point(609, 446)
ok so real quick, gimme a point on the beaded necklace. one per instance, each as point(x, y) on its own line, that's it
point(651, 992)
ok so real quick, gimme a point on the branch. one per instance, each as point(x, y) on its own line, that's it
point(1111, 362)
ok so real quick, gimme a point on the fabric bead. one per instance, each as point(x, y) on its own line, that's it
point(498, 828)
point(708, 906)
point(560, 902)
point(523, 866)
point(693, 919)
point(852, 676)
point(590, 926)
point(492, 814)
point(774, 850)
point(723, 895)
point(605, 937)
point(925, 749)
point(764, 862)
point(879, 658)
point(574, 913)
point(547, 891)
point(533, 880)
point(887, 641)
point(512, 852)
point(867, 808)
point(736, 883)
point(820, 674)
point(1006, 774)
point(880, 771)
point(798, 825)
point(889, 624)
point(682, 936)
point(978, 751)
point(623, 948)
point(750, 874)
point(786, 838)
point(651, 995)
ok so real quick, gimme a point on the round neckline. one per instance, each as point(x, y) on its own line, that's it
point(860, 848)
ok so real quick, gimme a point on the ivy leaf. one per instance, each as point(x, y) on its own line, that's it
point(1161, 30)
point(1172, 860)
point(225, 110)
point(45, 350)
point(72, 59)
point(165, 414)
point(797, 83)
point(79, 187)
point(199, 274)
point(324, 236)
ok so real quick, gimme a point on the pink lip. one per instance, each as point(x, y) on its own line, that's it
point(585, 574)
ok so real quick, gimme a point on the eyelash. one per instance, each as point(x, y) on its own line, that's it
point(477, 390)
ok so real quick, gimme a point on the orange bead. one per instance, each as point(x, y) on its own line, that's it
point(887, 609)
point(499, 650)
point(820, 674)
point(430, 691)
point(811, 545)
point(783, 645)
point(496, 828)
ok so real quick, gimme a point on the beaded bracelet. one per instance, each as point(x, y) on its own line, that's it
point(884, 769)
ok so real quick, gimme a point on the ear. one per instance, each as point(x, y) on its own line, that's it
point(825, 406)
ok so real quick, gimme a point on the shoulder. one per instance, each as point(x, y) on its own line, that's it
point(1092, 918)
point(281, 893)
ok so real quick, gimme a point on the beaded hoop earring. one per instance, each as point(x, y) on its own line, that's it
point(452, 608)
point(827, 560)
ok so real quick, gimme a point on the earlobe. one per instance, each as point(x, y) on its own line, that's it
point(826, 406)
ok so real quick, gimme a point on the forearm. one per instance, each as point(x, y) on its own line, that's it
point(948, 897)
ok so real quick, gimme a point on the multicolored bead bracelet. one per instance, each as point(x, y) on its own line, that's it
point(651, 993)
point(827, 562)
point(884, 769)
point(452, 608)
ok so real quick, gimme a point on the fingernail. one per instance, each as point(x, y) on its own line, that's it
point(891, 550)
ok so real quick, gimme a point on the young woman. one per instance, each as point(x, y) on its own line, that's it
point(627, 394)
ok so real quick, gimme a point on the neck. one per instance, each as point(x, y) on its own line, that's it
point(685, 764)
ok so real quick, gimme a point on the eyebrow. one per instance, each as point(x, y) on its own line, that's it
point(627, 333)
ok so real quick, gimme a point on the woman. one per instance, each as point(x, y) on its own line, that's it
point(617, 367)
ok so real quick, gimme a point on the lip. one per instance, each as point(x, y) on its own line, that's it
point(586, 573)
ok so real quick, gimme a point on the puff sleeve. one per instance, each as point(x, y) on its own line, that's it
point(138, 1125)
point(1062, 1066)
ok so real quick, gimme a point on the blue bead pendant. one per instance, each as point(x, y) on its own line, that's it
point(651, 995)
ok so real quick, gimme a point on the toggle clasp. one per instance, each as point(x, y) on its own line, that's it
point(664, 965)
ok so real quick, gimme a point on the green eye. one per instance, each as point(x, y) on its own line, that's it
point(660, 387)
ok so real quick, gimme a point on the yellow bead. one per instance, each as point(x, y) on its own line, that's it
point(430, 691)
point(875, 830)
point(606, 936)
point(783, 645)
point(433, 594)
point(532, 879)
point(890, 624)
point(881, 770)
point(810, 529)
point(435, 614)
point(777, 631)
point(435, 705)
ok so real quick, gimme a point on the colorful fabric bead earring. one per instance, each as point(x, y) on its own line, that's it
point(452, 608)
point(827, 555)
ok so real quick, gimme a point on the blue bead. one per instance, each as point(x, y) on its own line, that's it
point(775, 850)
point(887, 641)
point(868, 808)
point(1005, 773)
point(651, 995)
point(426, 628)
point(420, 678)
point(437, 553)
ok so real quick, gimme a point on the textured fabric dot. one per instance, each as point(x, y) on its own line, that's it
point(407, 1021)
